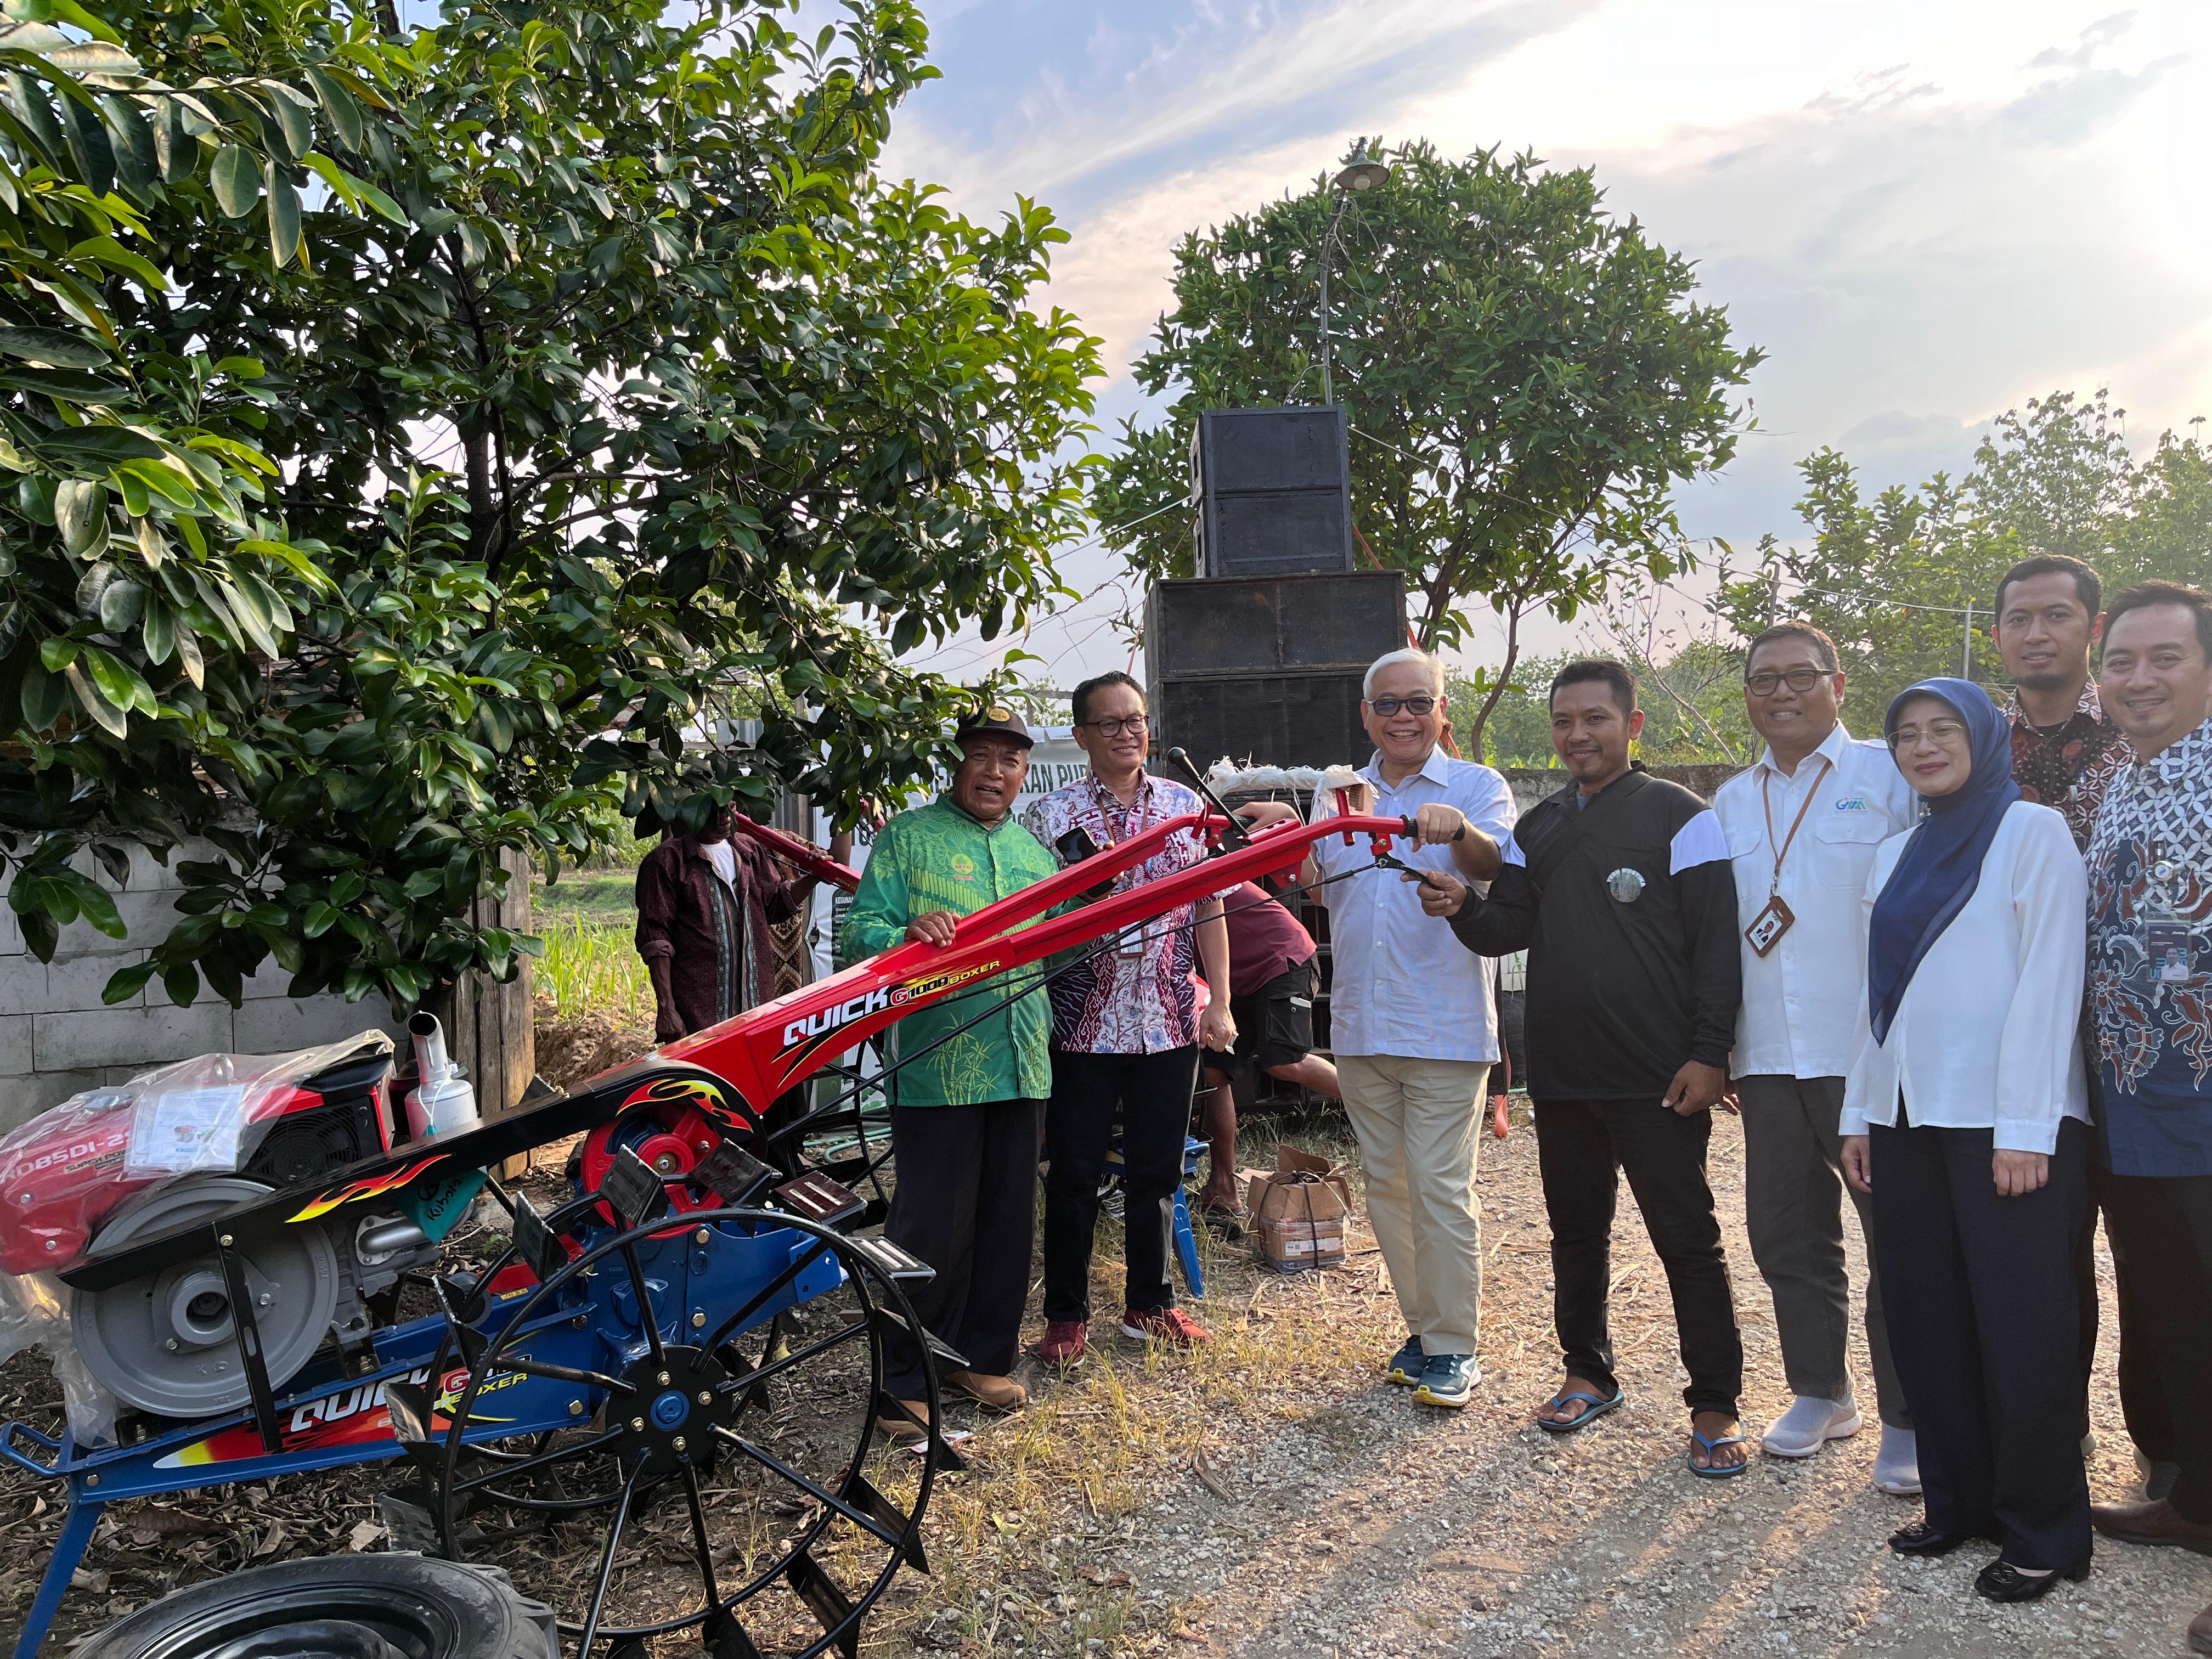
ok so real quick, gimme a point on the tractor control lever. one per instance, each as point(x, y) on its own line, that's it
point(1459, 833)
point(1236, 835)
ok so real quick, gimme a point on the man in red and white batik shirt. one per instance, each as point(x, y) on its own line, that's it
point(1128, 1023)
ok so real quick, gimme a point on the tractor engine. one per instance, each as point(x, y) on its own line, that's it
point(167, 1148)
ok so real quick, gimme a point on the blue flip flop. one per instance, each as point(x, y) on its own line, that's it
point(1710, 1472)
point(1597, 1408)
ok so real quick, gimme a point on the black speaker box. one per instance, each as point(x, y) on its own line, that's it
point(1272, 624)
point(1268, 668)
point(1273, 488)
point(1278, 719)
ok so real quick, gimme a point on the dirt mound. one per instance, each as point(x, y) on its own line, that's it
point(583, 1045)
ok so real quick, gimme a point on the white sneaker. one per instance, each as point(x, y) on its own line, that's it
point(1897, 1465)
point(1809, 1424)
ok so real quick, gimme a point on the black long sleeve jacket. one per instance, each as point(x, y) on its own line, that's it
point(1626, 907)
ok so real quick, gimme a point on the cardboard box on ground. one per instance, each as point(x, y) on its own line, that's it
point(1296, 1212)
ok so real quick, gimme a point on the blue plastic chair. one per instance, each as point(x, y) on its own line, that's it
point(1186, 1240)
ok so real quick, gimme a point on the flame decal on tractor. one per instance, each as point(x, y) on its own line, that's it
point(374, 1187)
point(703, 1094)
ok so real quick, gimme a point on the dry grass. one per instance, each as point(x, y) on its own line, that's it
point(1078, 1472)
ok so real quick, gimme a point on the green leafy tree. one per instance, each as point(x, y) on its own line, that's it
point(1906, 582)
point(1693, 705)
point(582, 386)
point(1527, 378)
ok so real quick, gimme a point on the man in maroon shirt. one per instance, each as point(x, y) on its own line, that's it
point(1271, 983)
point(704, 903)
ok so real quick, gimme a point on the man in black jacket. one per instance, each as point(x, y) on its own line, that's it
point(1620, 891)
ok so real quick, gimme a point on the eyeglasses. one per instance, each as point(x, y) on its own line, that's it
point(1768, 681)
point(1386, 707)
point(1115, 728)
point(1943, 732)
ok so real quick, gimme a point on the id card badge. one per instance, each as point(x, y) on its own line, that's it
point(1768, 926)
point(2166, 944)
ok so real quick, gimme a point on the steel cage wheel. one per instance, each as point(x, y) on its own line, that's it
point(640, 1447)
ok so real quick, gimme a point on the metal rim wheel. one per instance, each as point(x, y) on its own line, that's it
point(763, 1440)
point(164, 1343)
point(357, 1606)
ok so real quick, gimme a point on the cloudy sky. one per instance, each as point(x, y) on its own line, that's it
point(1926, 211)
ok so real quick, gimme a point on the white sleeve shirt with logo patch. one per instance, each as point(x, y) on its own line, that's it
point(1403, 985)
point(1801, 999)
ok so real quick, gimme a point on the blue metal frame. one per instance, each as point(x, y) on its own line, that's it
point(594, 1325)
point(1186, 1238)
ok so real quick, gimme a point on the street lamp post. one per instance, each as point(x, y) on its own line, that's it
point(1364, 173)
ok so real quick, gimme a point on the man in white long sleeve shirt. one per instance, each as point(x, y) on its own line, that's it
point(1803, 824)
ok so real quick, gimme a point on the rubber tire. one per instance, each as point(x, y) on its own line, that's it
point(425, 1608)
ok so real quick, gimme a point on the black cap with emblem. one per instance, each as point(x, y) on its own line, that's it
point(995, 719)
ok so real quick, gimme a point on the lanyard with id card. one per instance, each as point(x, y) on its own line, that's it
point(1773, 921)
point(2166, 938)
point(1129, 944)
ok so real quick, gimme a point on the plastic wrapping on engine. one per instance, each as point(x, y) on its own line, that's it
point(35, 1312)
point(67, 1170)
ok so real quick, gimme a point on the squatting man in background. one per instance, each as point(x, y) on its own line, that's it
point(1272, 984)
point(966, 1108)
point(1804, 823)
point(1412, 1022)
point(1619, 888)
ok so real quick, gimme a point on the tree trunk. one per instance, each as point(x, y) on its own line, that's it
point(488, 1026)
point(476, 453)
point(1504, 679)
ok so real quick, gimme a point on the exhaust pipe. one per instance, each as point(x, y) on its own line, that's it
point(443, 1103)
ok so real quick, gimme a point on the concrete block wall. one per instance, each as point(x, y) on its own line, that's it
point(58, 1037)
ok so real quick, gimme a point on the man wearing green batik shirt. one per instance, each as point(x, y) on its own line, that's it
point(966, 1108)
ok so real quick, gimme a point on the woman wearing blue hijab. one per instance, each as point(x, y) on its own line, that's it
point(1966, 1117)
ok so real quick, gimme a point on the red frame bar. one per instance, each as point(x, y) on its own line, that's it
point(802, 854)
point(766, 1050)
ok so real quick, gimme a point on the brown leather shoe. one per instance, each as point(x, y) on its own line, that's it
point(897, 1428)
point(2154, 1523)
point(1000, 1393)
point(2200, 1632)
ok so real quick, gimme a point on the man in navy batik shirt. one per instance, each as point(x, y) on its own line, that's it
point(2150, 984)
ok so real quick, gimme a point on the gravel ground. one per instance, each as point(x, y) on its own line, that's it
point(1367, 1526)
point(1272, 1496)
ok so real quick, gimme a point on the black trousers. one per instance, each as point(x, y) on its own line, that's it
point(2151, 1425)
point(1979, 1292)
point(965, 1203)
point(2160, 1228)
point(1152, 1094)
point(1581, 1147)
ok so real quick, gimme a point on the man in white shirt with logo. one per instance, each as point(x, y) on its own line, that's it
point(1803, 823)
point(1411, 1024)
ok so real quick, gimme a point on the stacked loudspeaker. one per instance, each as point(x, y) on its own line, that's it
point(1260, 657)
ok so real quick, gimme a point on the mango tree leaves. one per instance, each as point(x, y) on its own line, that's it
point(236, 179)
point(1526, 376)
point(685, 414)
point(53, 347)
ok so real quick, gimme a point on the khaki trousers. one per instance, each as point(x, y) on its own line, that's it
point(1417, 1123)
